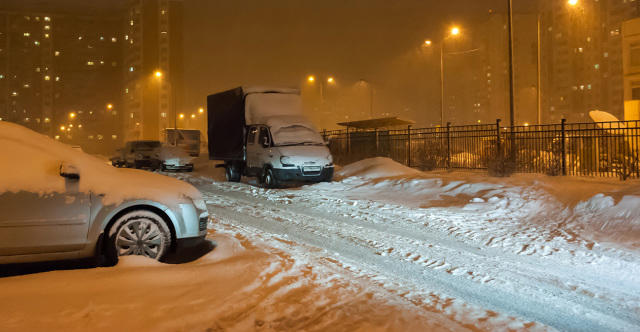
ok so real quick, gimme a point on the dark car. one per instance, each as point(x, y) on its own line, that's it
point(139, 154)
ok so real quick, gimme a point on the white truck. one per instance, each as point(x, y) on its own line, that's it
point(261, 132)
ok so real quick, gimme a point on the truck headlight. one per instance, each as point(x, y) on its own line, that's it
point(286, 161)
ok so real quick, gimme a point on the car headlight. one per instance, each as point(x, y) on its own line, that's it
point(286, 161)
point(200, 204)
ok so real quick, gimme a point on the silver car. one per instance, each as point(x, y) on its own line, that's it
point(59, 203)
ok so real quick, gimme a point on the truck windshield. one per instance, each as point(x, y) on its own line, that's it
point(296, 135)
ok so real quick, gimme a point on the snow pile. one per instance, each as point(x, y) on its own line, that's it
point(373, 168)
point(31, 162)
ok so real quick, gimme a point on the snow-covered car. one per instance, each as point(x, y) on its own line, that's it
point(138, 154)
point(175, 158)
point(59, 203)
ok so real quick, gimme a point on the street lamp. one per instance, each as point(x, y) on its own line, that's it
point(159, 75)
point(454, 32)
point(573, 2)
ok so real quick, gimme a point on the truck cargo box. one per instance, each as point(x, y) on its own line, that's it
point(226, 125)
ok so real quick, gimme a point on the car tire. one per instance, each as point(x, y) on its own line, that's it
point(232, 173)
point(138, 232)
point(269, 179)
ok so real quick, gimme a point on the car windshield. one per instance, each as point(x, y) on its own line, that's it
point(296, 135)
point(146, 145)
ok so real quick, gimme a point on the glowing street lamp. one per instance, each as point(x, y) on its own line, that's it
point(109, 106)
point(193, 116)
point(331, 80)
point(311, 78)
point(63, 128)
point(427, 42)
point(157, 74)
point(455, 31)
point(72, 115)
point(200, 110)
point(573, 2)
point(181, 116)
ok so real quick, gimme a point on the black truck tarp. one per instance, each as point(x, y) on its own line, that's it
point(226, 125)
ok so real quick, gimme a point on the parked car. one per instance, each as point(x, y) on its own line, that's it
point(175, 158)
point(187, 139)
point(61, 203)
point(139, 154)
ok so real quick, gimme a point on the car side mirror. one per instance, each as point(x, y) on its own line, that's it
point(69, 171)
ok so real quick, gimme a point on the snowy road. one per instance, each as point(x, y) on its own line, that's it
point(474, 256)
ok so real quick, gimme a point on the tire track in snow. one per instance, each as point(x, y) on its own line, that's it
point(302, 223)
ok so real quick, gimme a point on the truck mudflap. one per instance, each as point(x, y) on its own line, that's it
point(298, 175)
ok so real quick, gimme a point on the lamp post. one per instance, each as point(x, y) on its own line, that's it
point(455, 31)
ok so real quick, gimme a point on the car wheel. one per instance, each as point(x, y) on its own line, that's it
point(138, 232)
point(232, 173)
point(270, 180)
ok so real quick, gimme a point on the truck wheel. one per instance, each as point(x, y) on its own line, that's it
point(232, 173)
point(270, 180)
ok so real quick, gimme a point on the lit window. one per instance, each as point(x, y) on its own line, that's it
point(131, 23)
point(26, 34)
point(163, 114)
point(37, 43)
point(596, 66)
point(606, 54)
point(57, 78)
point(90, 137)
point(126, 90)
point(47, 27)
point(114, 136)
point(47, 120)
point(126, 37)
point(1, 76)
point(100, 137)
point(131, 68)
point(79, 37)
point(131, 115)
point(14, 93)
point(101, 62)
point(56, 53)
point(57, 137)
point(38, 69)
point(114, 39)
point(90, 63)
point(589, 86)
point(131, 41)
point(163, 12)
point(46, 35)
point(47, 18)
point(26, 85)
point(101, 37)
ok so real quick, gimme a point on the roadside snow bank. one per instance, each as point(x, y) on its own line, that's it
point(575, 209)
point(373, 168)
point(31, 162)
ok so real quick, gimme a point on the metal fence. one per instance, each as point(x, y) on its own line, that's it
point(603, 149)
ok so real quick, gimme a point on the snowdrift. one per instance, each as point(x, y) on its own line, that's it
point(590, 209)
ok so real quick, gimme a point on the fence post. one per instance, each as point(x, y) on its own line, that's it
point(348, 141)
point(377, 143)
point(448, 145)
point(324, 135)
point(563, 147)
point(409, 145)
point(498, 140)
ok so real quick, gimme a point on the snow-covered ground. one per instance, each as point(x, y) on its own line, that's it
point(383, 247)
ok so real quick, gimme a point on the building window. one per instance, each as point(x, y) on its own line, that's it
point(635, 90)
point(634, 55)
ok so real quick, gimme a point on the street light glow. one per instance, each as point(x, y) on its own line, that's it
point(181, 115)
point(62, 128)
point(72, 115)
point(455, 31)
point(193, 116)
point(109, 106)
point(427, 42)
point(331, 80)
point(573, 2)
point(158, 74)
point(311, 79)
point(200, 110)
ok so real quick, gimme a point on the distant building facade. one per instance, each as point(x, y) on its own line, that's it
point(582, 57)
point(89, 79)
point(631, 68)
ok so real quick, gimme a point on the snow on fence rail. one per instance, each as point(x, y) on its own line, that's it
point(604, 149)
